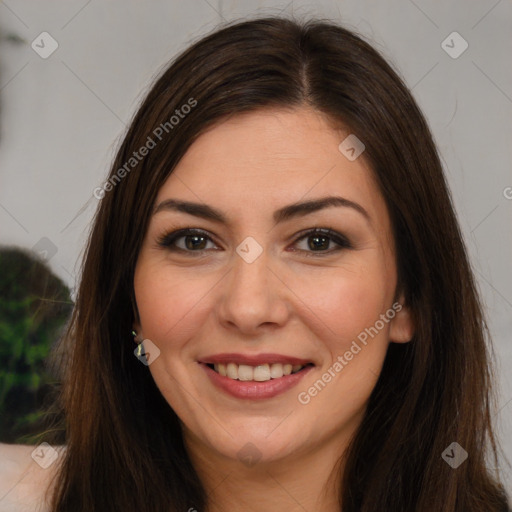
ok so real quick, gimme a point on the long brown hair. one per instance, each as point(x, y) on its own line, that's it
point(124, 444)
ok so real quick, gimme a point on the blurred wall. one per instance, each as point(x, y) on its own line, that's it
point(63, 112)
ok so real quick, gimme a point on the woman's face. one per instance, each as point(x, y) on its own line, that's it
point(256, 292)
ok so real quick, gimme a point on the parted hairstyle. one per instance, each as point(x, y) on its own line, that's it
point(124, 445)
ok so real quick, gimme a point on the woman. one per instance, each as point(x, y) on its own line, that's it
point(277, 232)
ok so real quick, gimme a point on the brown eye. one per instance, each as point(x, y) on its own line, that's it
point(319, 240)
point(194, 240)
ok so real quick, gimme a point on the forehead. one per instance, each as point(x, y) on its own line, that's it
point(262, 160)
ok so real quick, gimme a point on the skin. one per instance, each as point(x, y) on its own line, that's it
point(293, 300)
point(25, 485)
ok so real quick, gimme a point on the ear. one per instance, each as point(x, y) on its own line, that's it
point(136, 322)
point(402, 325)
point(137, 328)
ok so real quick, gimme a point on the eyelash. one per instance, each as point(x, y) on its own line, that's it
point(168, 240)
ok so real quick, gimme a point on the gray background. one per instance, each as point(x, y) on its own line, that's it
point(62, 117)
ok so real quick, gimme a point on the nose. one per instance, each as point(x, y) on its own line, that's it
point(253, 296)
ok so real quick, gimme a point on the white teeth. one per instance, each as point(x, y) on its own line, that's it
point(245, 372)
point(260, 373)
point(221, 368)
point(276, 370)
point(232, 371)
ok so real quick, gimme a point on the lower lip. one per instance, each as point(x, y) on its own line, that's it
point(252, 389)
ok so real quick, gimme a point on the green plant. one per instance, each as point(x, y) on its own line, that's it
point(34, 306)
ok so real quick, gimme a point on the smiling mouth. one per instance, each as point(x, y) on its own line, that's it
point(258, 373)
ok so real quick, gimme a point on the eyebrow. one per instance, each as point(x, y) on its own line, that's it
point(283, 214)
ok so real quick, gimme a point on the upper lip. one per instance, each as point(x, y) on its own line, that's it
point(253, 360)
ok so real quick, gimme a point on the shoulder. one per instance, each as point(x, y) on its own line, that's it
point(25, 474)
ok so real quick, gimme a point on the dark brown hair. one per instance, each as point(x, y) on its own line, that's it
point(124, 444)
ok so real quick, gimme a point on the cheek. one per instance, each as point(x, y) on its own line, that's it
point(343, 305)
point(348, 308)
point(167, 301)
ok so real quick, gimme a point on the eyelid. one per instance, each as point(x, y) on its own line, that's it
point(170, 237)
point(327, 231)
point(167, 240)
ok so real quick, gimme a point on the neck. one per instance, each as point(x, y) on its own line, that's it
point(306, 481)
